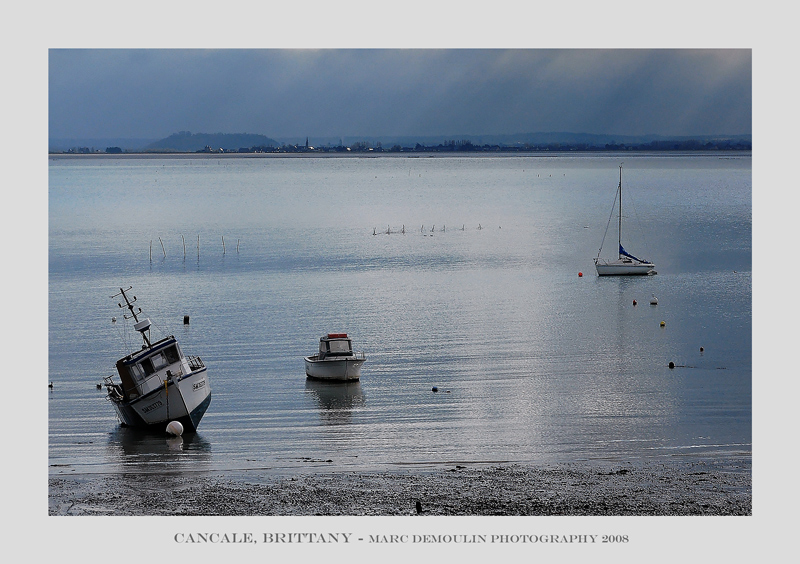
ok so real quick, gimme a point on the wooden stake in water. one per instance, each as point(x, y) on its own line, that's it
point(151, 250)
point(223, 244)
point(162, 247)
point(237, 246)
point(198, 247)
point(184, 246)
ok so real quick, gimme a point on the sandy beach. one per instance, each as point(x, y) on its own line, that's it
point(638, 489)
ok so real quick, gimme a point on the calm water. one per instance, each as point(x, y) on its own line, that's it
point(480, 297)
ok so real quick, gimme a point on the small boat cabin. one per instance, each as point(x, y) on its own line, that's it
point(147, 370)
point(335, 344)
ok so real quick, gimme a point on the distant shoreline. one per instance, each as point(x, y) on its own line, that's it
point(732, 153)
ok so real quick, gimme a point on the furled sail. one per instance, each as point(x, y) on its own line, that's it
point(625, 253)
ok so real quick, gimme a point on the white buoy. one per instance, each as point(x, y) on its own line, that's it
point(175, 428)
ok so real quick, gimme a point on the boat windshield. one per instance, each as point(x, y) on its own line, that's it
point(339, 347)
point(155, 362)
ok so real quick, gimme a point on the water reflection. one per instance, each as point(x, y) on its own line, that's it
point(541, 363)
point(336, 400)
point(128, 446)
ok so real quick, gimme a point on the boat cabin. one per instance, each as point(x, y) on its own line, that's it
point(147, 370)
point(335, 344)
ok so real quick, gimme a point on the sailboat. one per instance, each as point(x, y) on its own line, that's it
point(626, 264)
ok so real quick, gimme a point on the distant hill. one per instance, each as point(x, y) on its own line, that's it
point(190, 142)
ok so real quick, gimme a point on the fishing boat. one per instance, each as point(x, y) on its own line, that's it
point(335, 359)
point(158, 384)
point(625, 264)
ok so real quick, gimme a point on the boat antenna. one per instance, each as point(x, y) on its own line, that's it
point(140, 326)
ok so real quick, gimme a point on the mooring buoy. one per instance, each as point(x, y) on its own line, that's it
point(175, 428)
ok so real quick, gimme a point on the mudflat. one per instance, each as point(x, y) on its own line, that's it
point(641, 488)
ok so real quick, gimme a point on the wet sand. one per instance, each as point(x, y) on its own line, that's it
point(650, 488)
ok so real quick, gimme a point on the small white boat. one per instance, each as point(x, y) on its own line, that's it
point(335, 359)
point(625, 264)
point(158, 384)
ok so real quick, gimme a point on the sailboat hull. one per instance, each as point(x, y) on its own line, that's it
point(624, 268)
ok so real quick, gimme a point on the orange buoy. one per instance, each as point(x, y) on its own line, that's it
point(634, 302)
point(580, 274)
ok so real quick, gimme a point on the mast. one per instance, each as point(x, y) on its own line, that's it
point(140, 326)
point(619, 231)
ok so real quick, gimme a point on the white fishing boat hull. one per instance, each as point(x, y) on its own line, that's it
point(183, 399)
point(624, 268)
point(342, 369)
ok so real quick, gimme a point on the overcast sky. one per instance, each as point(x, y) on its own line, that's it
point(152, 93)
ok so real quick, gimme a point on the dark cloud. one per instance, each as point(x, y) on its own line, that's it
point(372, 92)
